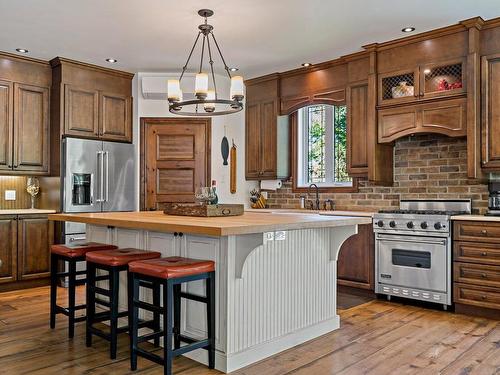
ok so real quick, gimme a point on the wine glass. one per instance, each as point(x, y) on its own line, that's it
point(204, 195)
point(33, 188)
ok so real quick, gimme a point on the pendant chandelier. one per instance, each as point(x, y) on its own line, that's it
point(207, 102)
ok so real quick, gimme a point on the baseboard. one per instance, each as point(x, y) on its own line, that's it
point(24, 284)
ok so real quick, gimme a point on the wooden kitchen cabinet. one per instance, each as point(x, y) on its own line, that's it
point(446, 117)
point(356, 262)
point(357, 129)
point(6, 125)
point(8, 249)
point(490, 92)
point(115, 122)
point(81, 111)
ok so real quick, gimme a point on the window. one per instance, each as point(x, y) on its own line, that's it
point(322, 146)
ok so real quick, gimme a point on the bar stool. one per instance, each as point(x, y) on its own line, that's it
point(171, 273)
point(70, 254)
point(114, 262)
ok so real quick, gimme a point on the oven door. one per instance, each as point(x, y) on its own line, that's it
point(412, 261)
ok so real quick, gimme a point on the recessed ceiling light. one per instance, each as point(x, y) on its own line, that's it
point(233, 69)
point(22, 50)
point(408, 29)
point(112, 61)
point(305, 65)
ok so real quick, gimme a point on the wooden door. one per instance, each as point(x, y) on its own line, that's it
point(253, 142)
point(357, 129)
point(176, 159)
point(35, 236)
point(356, 263)
point(31, 129)
point(116, 117)
point(81, 111)
point(268, 139)
point(490, 94)
point(6, 124)
point(8, 249)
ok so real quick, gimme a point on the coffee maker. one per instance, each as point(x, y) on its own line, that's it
point(494, 198)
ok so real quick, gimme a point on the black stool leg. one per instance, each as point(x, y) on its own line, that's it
point(91, 271)
point(177, 316)
point(133, 325)
point(210, 293)
point(54, 263)
point(168, 292)
point(156, 315)
point(71, 297)
point(114, 284)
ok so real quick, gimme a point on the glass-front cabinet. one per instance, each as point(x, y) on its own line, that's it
point(443, 79)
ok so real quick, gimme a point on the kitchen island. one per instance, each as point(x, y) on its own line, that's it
point(275, 273)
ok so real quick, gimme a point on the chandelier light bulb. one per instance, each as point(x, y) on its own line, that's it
point(201, 85)
point(210, 107)
point(174, 90)
point(237, 88)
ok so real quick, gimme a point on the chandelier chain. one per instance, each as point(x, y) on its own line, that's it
point(184, 68)
point(212, 67)
point(221, 56)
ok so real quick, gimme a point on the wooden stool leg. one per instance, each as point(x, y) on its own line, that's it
point(210, 293)
point(71, 298)
point(114, 284)
point(53, 289)
point(168, 297)
point(91, 271)
point(177, 316)
point(156, 315)
point(134, 323)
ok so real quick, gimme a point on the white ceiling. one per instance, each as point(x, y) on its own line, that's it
point(258, 36)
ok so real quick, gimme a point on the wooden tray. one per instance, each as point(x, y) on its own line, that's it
point(193, 209)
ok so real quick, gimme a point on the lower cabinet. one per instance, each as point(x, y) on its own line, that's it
point(356, 263)
point(25, 247)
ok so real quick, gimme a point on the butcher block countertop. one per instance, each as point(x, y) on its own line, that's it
point(26, 211)
point(476, 218)
point(249, 222)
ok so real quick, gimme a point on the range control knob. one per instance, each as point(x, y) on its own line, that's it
point(438, 226)
point(409, 224)
point(423, 225)
point(380, 223)
point(392, 224)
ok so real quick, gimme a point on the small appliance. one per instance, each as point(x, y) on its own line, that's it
point(494, 199)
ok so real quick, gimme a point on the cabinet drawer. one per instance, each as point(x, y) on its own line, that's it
point(476, 253)
point(478, 274)
point(477, 296)
point(477, 231)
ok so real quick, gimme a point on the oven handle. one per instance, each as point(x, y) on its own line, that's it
point(400, 239)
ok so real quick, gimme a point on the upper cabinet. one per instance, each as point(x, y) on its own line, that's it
point(96, 102)
point(357, 129)
point(24, 116)
point(491, 112)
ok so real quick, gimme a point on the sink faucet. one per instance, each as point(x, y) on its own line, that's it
point(317, 195)
point(330, 203)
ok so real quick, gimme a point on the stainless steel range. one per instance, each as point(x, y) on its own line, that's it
point(413, 249)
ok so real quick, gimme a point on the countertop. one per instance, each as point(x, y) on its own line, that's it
point(321, 212)
point(26, 211)
point(249, 222)
point(476, 218)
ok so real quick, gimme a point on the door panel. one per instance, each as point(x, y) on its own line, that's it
point(253, 140)
point(268, 129)
point(176, 159)
point(31, 130)
point(357, 130)
point(447, 117)
point(35, 236)
point(8, 249)
point(394, 123)
point(116, 119)
point(6, 125)
point(490, 95)
point(81, 111)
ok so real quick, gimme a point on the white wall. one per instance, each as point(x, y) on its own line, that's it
point(235, 129)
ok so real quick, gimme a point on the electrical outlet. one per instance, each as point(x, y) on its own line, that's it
point(10, 195)
point(280, 235)
point(269, 236)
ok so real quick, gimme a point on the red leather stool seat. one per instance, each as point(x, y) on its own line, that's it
point(171, 267)
point(79, 249)
point(120, 257)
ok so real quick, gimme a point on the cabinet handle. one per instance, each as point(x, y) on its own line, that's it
point(484, 253)
point(15, 166)
point(484, 232)
point(483, 275)
point(176, 234)
point(1, 262)
point(181, 234)
point(483, 297)
point(421, 93)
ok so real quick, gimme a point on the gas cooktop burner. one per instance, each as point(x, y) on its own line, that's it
point(422, 212)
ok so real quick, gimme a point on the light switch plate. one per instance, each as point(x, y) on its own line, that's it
point(10, 195)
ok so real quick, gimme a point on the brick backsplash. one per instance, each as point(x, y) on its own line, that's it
point(425, 167)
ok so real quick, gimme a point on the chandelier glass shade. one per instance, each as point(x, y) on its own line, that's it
point(206, 101)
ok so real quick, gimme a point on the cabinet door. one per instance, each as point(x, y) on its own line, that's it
point(116, 119)
point(490, 93)
point(268, 139)
point(398, 87)
point(81, 111)
point(8, 249)
point(35, 236)
point(446, 117)
point(253, 141)
point(357, 130)
point(394, 123)
point(31, 129)
point(442, 79)
point(356, 265)
point(6, 125)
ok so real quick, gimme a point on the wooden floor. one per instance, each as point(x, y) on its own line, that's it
point(375, 338)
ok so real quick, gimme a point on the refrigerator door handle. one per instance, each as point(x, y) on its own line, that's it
point(100, 165)
point(106, 154)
